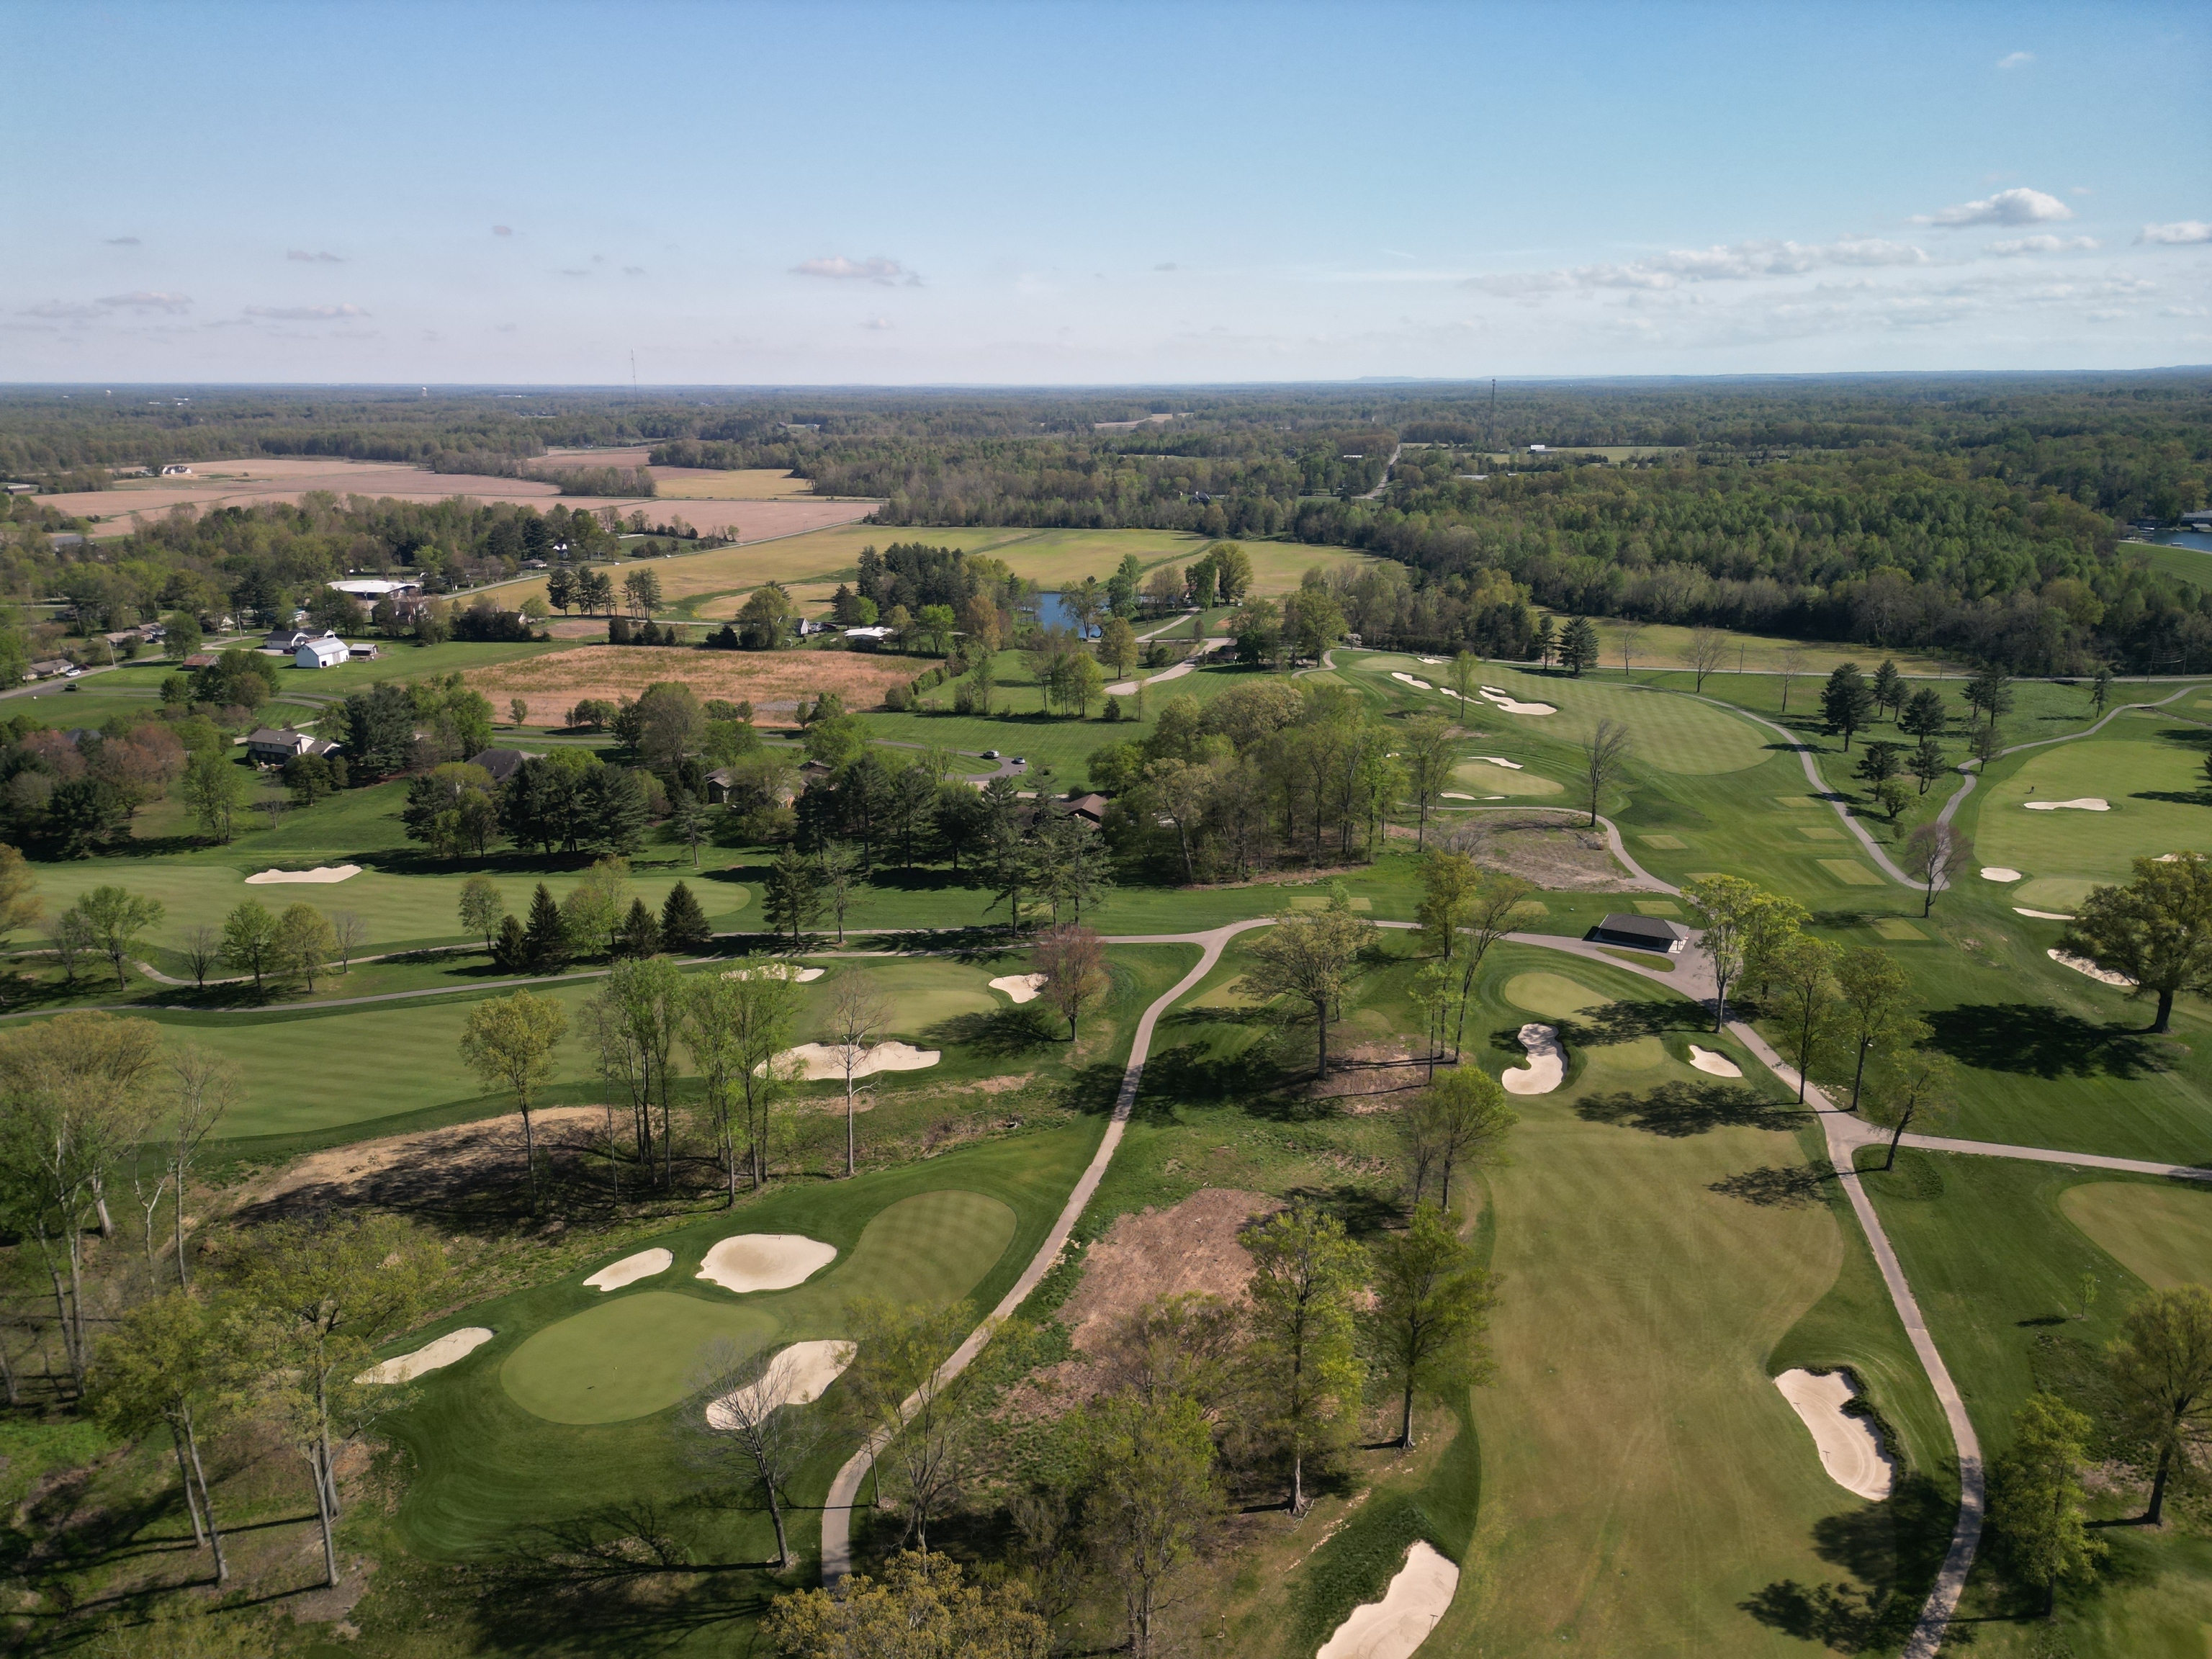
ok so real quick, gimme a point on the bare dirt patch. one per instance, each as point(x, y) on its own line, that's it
point(1552, 849)
point(772, 680)
point(1193, 1248)
point(432, 1166)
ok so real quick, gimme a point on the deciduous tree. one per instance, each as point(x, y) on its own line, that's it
point(2161, 1365)
point(114, 918)
point(1605, 760)
point(1073, 960)
point(249, 939)
point(1309, 955)
point(1932, 855)
point(2156, 930)
point(1431, 1302)
point(510, 1043)
point(167, 1365)
point(859, 1016)
point(2038, 1505)
point(1306, 1370)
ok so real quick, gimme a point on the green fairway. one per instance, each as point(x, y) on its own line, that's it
point(929, 1249)
point(924, 994)
point(2155, 786)
point(635, 1356)
point(1645, 1482)
point(1481, 778)
point(2163, 1235)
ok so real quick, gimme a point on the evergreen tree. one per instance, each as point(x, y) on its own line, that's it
point(641, 933)
point(1923, 715)
point(1927, 762)
point(793, 898)
point(1846, 701)
point(545, 941)
point(1888, 686)
point(684, 926)
point(1578, 645)
point(510, 952)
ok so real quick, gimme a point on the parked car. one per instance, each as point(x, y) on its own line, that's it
point(990, 754)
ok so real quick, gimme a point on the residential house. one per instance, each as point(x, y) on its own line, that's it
point(273, 747)
point(502, 763)
point(46, 667)
point(327, 652)
point(287, 639)
point(203, 659)
point(1091, 809)
point(362, 651)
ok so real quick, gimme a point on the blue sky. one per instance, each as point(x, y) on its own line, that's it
point(1061, 194)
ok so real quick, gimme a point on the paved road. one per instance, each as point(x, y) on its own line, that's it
point(845, 1489)
point(1376, 494)
point(1196, 659)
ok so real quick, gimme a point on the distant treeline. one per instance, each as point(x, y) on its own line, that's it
point(574, 479)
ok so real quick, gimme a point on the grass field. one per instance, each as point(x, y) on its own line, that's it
point(2154, 778)
point(1995, 1262)
point(773, 681)
point(1663, 645)
point(754, 483)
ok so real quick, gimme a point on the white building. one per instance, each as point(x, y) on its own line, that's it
point(326, 652)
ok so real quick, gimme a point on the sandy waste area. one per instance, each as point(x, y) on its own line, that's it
point(1851, 1450)
point(1392, 1628)
point(453, 1345)
point(2085, 804)
point(1019, 987)
point(785, 970)
point(765, 1262)
point(2083, 965)
point(325, 873)
point(631, 1268)
point(815, 1061)
point(1547, 1063)
point(1999, 873)
point(796, 1377)
point(1709, 1060)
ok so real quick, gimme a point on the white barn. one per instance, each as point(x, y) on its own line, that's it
point(325, 652)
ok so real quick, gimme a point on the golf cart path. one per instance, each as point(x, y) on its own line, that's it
point(1196, 659)
point(1969, 779)
point(844, 1490)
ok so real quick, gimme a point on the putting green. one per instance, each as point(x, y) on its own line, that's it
point(2163, 1235)
point(1553, 995)
point(2060, 893)
point(2157, 791)
point(631, 1357)
point(1485, 778)
point(933, 1248)
point(1669, 733)
point(922, 994)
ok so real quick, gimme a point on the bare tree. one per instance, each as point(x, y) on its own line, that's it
point(740, 1429)
point(898, 1389)
point(201, 948)
point(1072, 961)
point(1631, 635)
point(350, 933)
point(204, 1084)
point(1708, 650)
point(1605, 757)
point(1932, 854)
point(859, 1014)
point(1792, 664)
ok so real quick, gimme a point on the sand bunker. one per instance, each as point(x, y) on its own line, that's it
point(1454, 794)
point(817, 1060)
point(1708, 1059)
point(1851, 1450)
point(1020, 987)
point(785, 970)
point(1999, 873)
point(1432, 662)
point(2041, 915)
point(1511, 705)
point(453, 1345)
point(1393, 1627)
point(2083, 965)
point(631, 1269)
point(1500, 760)
point(2086, 803)
point(1547, 1063)
point(796, 1377)
point(328, 873)
point(1410, 680)
point(765, 1262)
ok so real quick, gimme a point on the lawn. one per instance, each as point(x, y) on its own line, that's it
point(2149, 770)
point(1996, 1259)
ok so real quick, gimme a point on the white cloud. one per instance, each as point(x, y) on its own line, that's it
point(2179, 234)
point(317, 258)
point(2013, 60)
point(2045, 243)
point(304, 313)
point(1738, 262)
point(142, 301)
point(887, 273)
point(877, 322)
point(2017, 206)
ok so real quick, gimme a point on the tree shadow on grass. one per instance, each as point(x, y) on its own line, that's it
point(1779, 1187)
point(1892, 1550)
point(1191, 1072)
point(616, 1579)
point(2042, 1041)
point(1362, 1211)
point(1625, 1021)
point(1679, 1109)
point(998, 1033)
